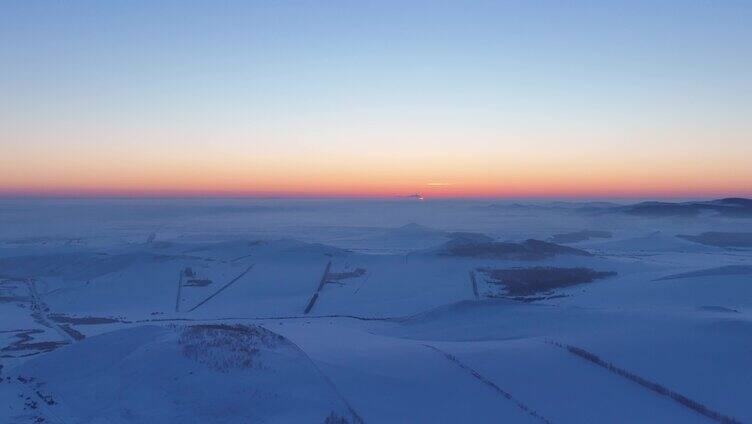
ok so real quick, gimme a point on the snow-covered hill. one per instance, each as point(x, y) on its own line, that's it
point(365, 311)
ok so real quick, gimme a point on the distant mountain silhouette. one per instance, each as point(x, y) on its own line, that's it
point(730, 207)
point(720, 239)
point(551, 206)
point(413, 229)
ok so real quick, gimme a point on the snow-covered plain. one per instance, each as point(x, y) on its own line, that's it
point(334, 311)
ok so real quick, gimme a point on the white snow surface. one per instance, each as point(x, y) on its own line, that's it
point(194, 311)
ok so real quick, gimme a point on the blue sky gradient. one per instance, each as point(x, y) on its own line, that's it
point(274, 96)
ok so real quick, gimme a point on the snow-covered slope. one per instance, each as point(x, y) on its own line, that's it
point(188, 374)
point(333, 312)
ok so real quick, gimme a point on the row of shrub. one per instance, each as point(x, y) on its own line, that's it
point(689, 403)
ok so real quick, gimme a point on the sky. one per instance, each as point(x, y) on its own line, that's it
point(356, 98)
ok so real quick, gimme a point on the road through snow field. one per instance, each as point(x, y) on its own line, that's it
point(40, 310)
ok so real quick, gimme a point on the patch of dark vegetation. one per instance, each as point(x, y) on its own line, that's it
point(197, 282)
point(528, 250)
point(714, 308)
point(39, 347)
point(314, 298)
point(224, 347)
point(529, 281)
point(655, 387)
point(530, 299)
point(193, 280)
point(24, 343)
point(7, 280)
point(334, 418)
point(721, 239)
point(6, 299)
point(30, 403)
point(48, 399)
point(25, 380)
point(77, 336)
point(8, 291)
point(578, 236)
point(711, 272)
point(87, 320)
point(339, 276)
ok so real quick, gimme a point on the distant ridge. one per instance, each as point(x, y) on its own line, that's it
point(721, 239)
point(731, 207)
point(738, 207)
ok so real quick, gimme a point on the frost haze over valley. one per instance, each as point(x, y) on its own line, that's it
point(375, 311)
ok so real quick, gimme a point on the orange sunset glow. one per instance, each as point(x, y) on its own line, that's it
point(341, 114)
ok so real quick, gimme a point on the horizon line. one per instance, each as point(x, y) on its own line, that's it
point(360, 196)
